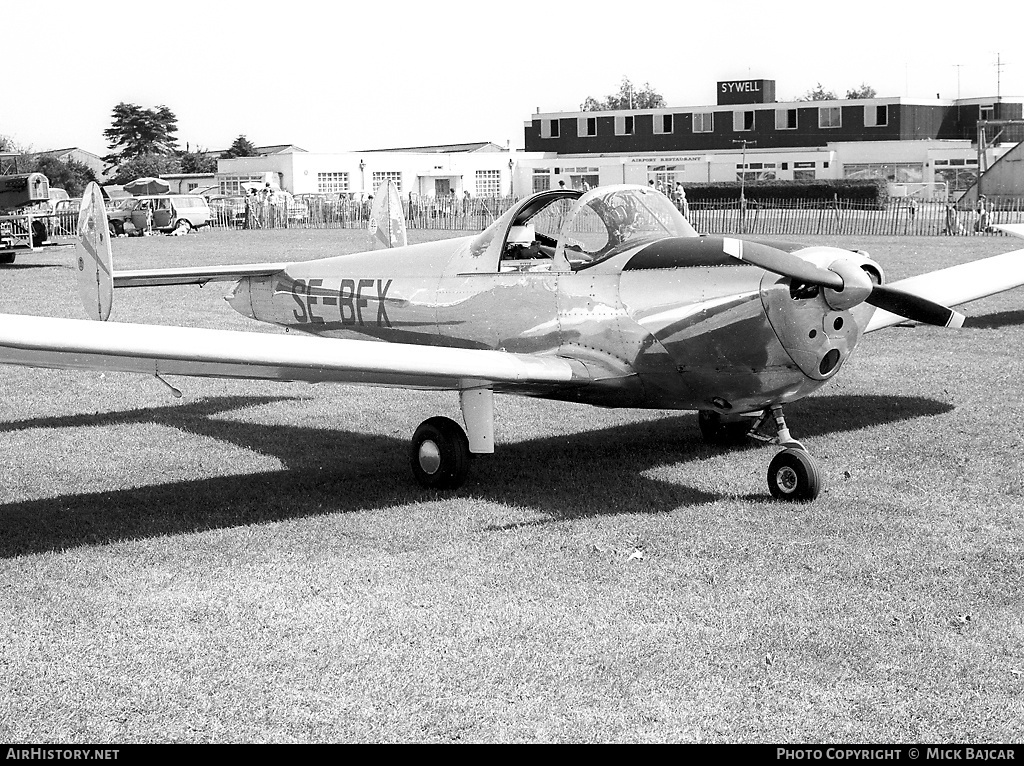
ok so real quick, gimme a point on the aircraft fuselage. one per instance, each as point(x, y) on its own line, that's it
point(653, 334)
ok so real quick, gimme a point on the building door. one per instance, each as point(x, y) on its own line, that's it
point(442, 187)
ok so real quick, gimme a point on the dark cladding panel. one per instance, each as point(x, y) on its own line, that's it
point(746, 92)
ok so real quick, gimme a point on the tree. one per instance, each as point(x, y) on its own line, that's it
point(8, 144)
point(864, 91)
point(242, 147)
point(70, 175)
point(198, 161)
point(145, 165)
point(818, 93)
point(136, 132)
point(628, 97)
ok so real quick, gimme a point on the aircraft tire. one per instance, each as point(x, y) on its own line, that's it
point(7, 257)
point(794, 475)
point(716, 430)
point(439, 454)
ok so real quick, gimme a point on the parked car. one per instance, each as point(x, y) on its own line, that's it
point(170, 212)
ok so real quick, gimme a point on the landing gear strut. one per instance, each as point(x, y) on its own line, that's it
point(440, 450)
point(793, 474)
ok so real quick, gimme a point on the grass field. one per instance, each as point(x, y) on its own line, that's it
point(253, 563)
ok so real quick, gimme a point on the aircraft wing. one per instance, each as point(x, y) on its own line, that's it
point(165, 350)
point(958, 284)
point(1013, 229)
point(194, 276)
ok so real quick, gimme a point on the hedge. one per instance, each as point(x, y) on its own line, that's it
point(871, 191)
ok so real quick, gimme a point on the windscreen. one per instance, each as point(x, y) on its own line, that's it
point(611, 220)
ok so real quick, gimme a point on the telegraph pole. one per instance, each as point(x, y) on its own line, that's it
point(743, 183)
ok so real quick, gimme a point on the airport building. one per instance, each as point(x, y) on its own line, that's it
point(483, 169)
point(926, 148)
point(919, 146)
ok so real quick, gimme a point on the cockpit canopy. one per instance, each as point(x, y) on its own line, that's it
point(567, 230)
point(612, 219)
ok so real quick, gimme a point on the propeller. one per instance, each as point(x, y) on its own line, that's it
point(846, 282)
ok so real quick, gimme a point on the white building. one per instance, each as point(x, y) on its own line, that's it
point(483, 169)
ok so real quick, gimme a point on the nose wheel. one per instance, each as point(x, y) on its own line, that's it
point(793, 474)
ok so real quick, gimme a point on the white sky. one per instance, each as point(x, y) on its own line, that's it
point(334, 77)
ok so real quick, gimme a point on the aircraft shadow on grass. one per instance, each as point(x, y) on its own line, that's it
point(333, 470)
point(995, 320)
point(24, 266)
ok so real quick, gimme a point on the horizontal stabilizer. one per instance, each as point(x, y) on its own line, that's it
point(194, 276)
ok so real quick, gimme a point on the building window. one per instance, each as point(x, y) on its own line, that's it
point(541, 180)
point(583, 178)
point(756, 171)
point(703, 122)
point(624, 125)
point(331, 183)
point(876, 116)
point(803, 171)
point(830, 117)
point(665, 177)
point(488, 183)
point(894, 172)
point(587, 126)
point(383, 176)
point(742, 121)
point(663, 123)
point(987, 113)
point(231, 185)
point(549, 129)
point(785, 119)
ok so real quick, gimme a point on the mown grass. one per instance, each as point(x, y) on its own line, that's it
point(254, 564)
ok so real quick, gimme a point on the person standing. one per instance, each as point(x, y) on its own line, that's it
point(681, 203)
point(982, 224)
point(953, 227)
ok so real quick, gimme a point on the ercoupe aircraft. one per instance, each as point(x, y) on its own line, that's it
point(607, 297)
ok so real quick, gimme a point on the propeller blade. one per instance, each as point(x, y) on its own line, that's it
point(892, 300)
point(914, 307)
point(782, 263)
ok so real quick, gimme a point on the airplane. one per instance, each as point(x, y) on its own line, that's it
point(607, 297)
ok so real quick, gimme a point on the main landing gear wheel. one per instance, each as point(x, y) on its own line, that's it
point(722, 432)
point(440, 454)
point(794, 475)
